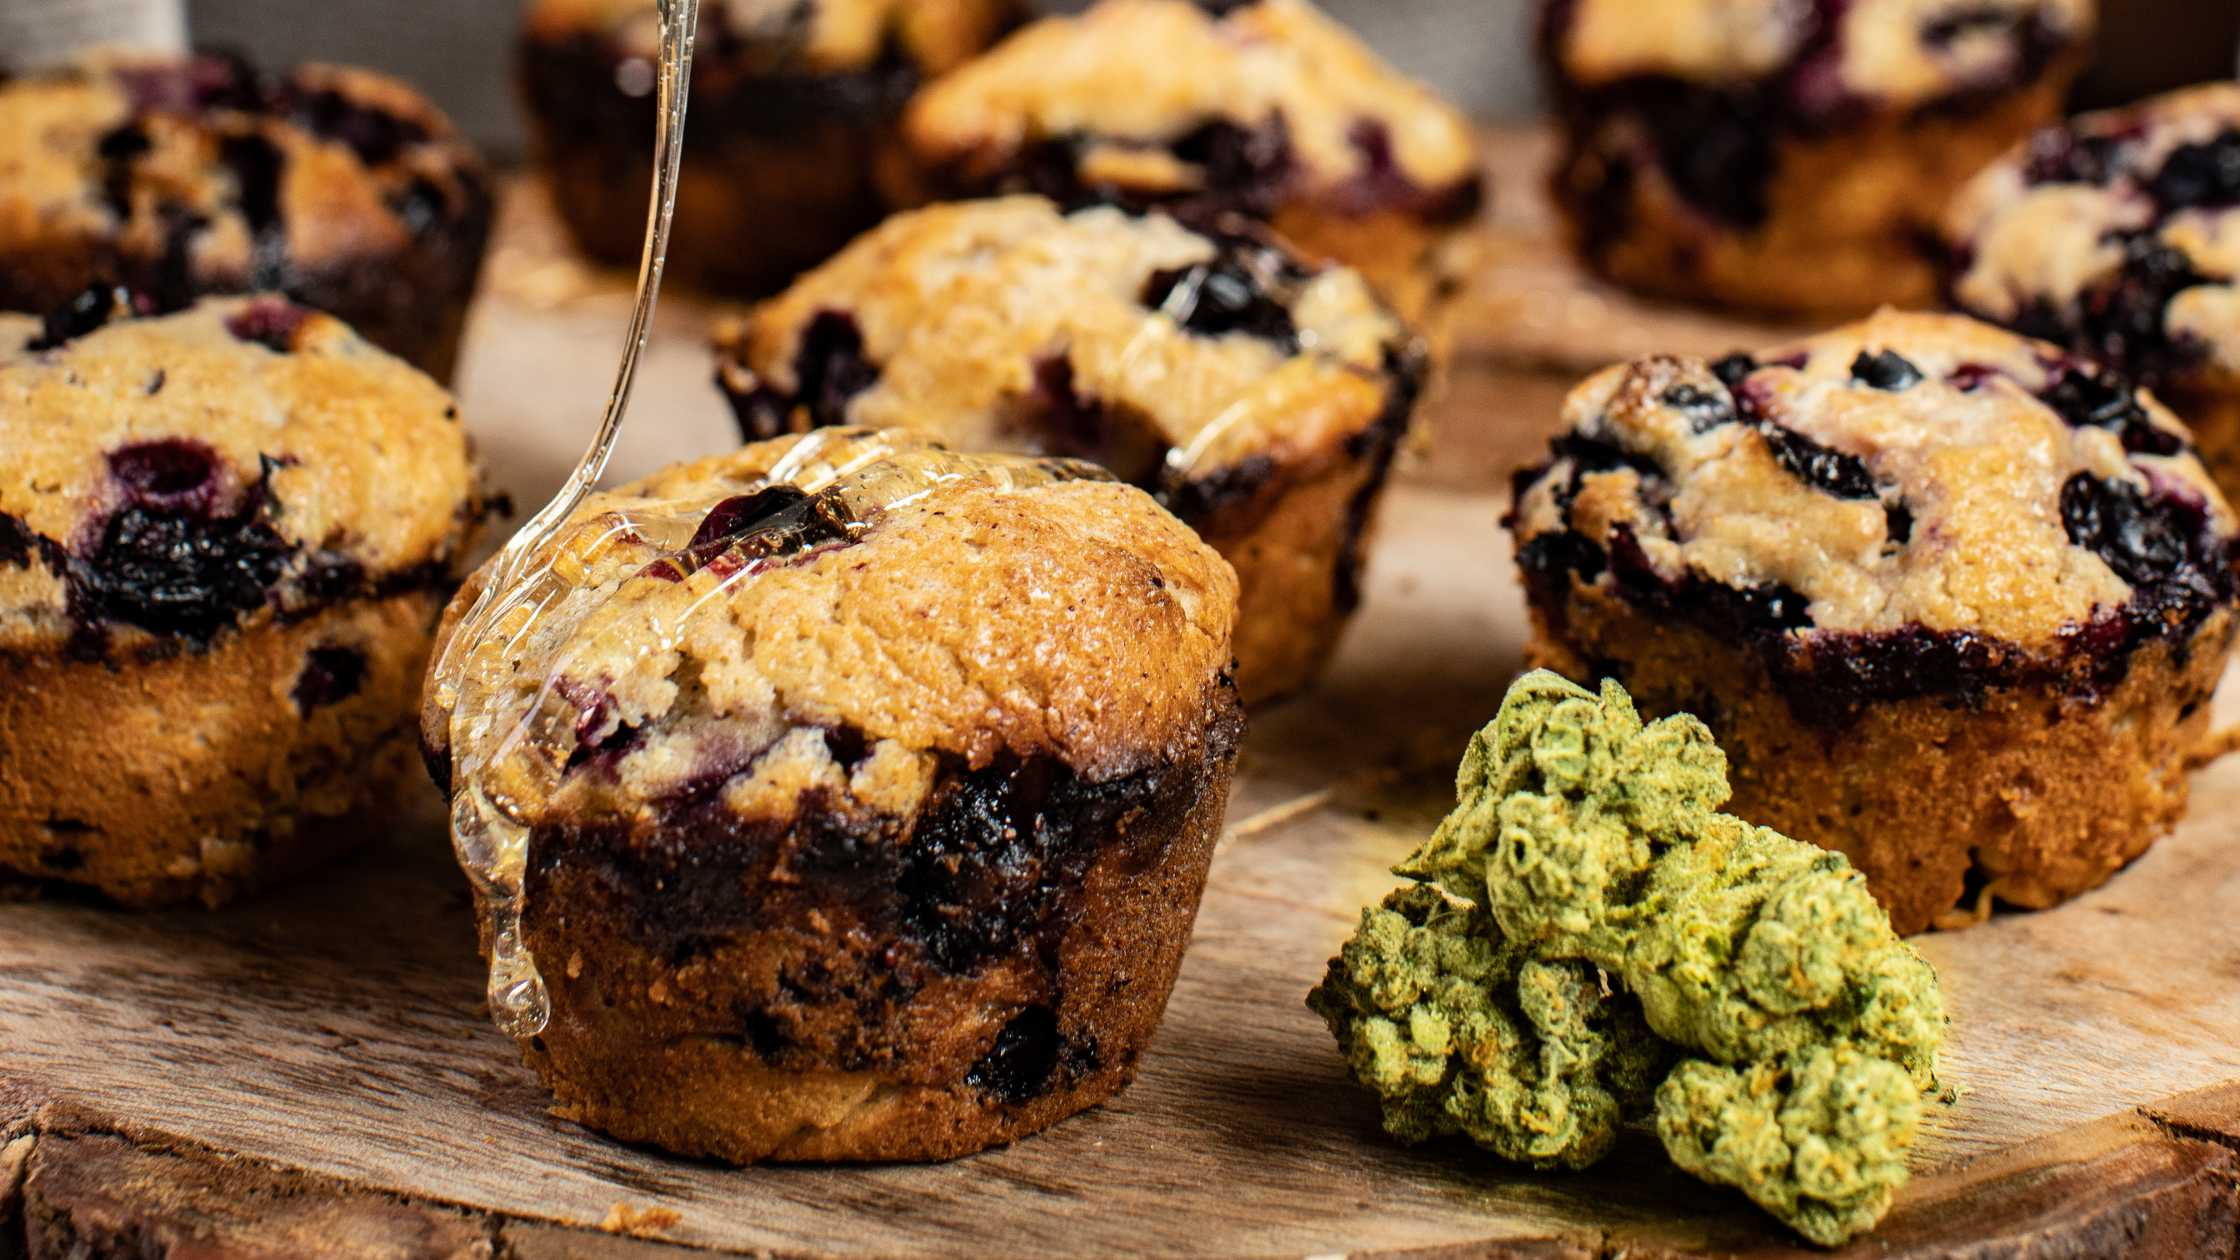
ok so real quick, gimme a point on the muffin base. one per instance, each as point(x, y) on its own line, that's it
point(784, 1009)
point(1299, 547)
point(202, 777)
point(777, 174)
point(2029, 795)
point(1849, 214)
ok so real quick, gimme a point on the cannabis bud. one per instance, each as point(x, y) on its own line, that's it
point(1586, 925)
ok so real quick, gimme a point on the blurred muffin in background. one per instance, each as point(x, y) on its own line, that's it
point(1271, 111)
point(792, 100)
point(2117, 235)
point(177, 177)
point(1784, 156)
point(1258, 398)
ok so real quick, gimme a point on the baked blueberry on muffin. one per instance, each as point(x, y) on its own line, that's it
point(1270, 110)
point(175, 178)
point(2118, 236)
point(793, 105)
point(1790, 155)
point(842, 798)
point(1953, 601)
point(1258, 398)
point(225, 538)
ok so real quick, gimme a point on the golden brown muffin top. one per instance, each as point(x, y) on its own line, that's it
point(2117, 233)
point(980, 319)
point(167, 475)
point(140, 149)
point(1133, 75)
point(928, 602)
point(823, 35)
point(1895, 52)
point(1908, 470)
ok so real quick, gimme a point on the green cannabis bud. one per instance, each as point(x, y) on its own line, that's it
point(1460, 1031)
point(1586, 839)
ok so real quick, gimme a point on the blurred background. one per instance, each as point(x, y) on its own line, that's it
point(1477, 51)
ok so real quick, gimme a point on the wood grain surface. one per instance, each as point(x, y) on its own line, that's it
point(312, 1072)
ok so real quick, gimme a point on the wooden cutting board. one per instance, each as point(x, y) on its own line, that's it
point(312, 1072)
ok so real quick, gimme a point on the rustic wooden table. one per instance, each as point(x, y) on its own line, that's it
point(312, 1072)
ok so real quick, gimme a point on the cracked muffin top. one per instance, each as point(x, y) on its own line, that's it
point(184, 176)
point(1145, 101)
point(1160, 352)
point(1907, 472)
point(171, 476)
point(792, 36)
point(924, 602)
point(2117, 234)
point(1819, 54)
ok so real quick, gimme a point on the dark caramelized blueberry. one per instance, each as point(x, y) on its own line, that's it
point(1245, 168)
point(269, 322)
point(173, 473)
point(86, 312)
point(255, 162)
point(375, 134)
point(1825, 469)
point(765, 1035)
point(2057, 157)
point(1969, 377)
point(2086, 395)
point(740, 514)
point(1943, 31)
point(1888, 370)
point(1733, 368)
point(1233, 292)
point(330, 675)
point(187, 575)
point(421, 206)
point(117, 151)
point(830, 368)
point(1897, 522)
point(1018, 1066)
point(16, 542)
point(2201, 174)
point(1556, 553)
point(2123, 527)
point(1705, 410)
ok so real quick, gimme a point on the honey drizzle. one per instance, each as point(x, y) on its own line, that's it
point(488, 835)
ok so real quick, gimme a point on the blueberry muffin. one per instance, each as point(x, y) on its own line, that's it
point(1258, 398)
point(1953, 601)
point(794, 104)
point(1269, 110)
point(2118, 236)
point(842, 798)
point(1790, 155)
point(225, 537)
point(176, 178)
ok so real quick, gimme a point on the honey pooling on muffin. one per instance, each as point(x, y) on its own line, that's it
point(565, 661)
